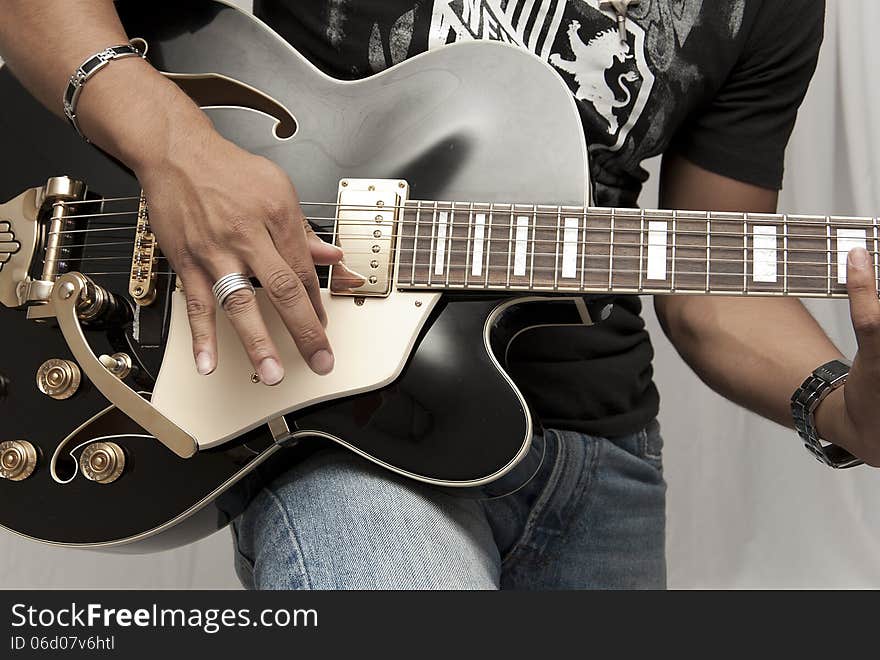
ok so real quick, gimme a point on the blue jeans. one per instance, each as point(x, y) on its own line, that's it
point(592, 517)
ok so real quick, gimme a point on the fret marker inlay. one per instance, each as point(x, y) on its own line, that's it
point(847, 239)
point(479, 228)
point(764, 254)
point(569, 248)
point(440, 253)
point(657, 250)
point(522, 240)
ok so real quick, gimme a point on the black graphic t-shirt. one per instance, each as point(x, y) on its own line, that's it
point(717, 81)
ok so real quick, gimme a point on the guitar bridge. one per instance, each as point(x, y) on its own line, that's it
point(142, 281)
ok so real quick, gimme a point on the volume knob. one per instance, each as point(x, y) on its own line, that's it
point(59, 379)
point(102, 462)
point(18, 458)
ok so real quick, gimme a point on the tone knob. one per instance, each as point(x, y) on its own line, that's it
point(58, 378)
point(18, 458)
point(102, 462)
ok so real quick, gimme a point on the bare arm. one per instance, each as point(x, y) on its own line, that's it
point(215, 208)
point(756, 351)
point(125, 107)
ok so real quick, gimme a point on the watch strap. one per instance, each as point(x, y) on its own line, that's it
point(806, 400)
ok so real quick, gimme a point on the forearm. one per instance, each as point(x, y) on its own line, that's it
point(128, 109)
point(754, 351)
point(727, 343)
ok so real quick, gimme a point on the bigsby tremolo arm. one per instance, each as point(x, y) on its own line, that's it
point(70, 289)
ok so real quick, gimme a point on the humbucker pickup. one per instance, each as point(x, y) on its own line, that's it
point(366, 221)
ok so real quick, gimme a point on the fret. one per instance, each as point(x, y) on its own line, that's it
point(489, 243)
point(450, 245)
point(521, 246)
point(672, 264)
point(564, 245)
point(808, 258)
point(626, 267)
point(690, 261)
point(847, 238)
point(785, 253)
point(520, 271)
point(642, 238)
point(597, 250)
point(424, 239)
point(611, 252)
point(509, 247)
point(458, 254)
point(584, 250)
point(534, 232)
point(727, 269)
point(876, 253)
point(479, 257)
point(433, 233)
point(708, 249)
point(441, 222)
point(745, 232)
point(415, 251)
point(656, 265)
point(546, 248)
point(763, 258)
point(573, 249)
point(499, 260)
point(763, 255)
point(828, 235)
point(469, 247)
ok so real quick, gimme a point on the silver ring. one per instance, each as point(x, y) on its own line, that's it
point(229, 284)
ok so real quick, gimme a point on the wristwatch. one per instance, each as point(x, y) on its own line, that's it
point(804, 402)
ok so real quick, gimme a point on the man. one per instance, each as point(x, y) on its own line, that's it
point(715, 87)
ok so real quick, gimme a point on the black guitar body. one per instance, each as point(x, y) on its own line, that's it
point(453, 415)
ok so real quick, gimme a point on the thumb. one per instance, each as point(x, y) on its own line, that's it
point(861, 284)
point(323, 253)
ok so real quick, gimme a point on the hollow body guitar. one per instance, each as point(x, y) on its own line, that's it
point(434, 176)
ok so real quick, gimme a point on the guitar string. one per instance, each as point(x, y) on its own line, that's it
point(582, 244)
point(491, 207)
point(535, 257)
point(508, 226)
point(589, 213)
point(403, 283)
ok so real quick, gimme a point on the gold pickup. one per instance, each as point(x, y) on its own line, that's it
point(366, 221)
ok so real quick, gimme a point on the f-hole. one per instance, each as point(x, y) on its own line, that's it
point(212, 90)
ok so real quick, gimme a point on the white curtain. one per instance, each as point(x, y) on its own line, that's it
point(747, 506)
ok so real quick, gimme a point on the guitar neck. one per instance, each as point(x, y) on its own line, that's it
point(504, 247)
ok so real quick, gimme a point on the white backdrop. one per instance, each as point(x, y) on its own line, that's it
point(748, 508)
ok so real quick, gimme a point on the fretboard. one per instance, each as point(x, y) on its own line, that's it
point(504, 247)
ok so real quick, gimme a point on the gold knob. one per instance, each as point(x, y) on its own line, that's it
point(18, 458)
point(58, 378)
point(102, 462)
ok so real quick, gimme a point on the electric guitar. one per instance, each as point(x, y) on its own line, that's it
point(461, 196)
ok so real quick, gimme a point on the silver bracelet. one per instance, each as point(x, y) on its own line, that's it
point(89, 68)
